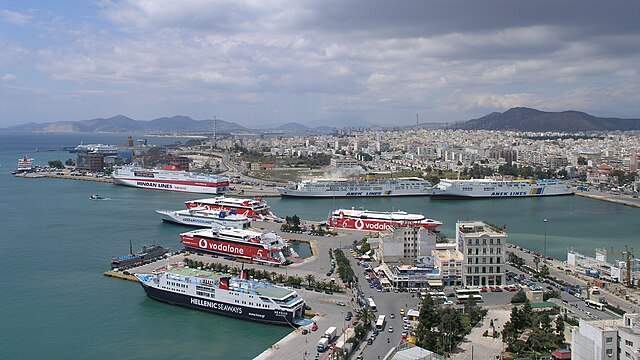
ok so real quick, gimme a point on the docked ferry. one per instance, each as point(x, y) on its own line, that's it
point(205, 218)
point(319, 188)
point(170, 180)
point(252, 208)
point(377, 220)
point(247, 244)
point(25, 164)
point(490, 188)
point(235, 297)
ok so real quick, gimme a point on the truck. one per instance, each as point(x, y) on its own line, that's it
point(330, 334)
point(323, 345)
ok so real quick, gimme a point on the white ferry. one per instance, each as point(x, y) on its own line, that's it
point(410, 186)
point(377, 220)
point(205, 218)
point(25, 164)
point(236, 297)
point(489, 188)
point(260, 247)
point(252, 208)
point(170, 180)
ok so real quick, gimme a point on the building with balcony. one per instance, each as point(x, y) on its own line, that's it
point(483, 247)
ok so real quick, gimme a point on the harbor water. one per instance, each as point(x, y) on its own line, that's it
point(57, 243)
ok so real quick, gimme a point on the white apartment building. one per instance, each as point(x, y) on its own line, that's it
point(450, 262)
point(483, 246)
point(595, 340)
point(406, 244)
point(607, 339)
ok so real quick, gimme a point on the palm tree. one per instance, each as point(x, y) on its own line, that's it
point(366, 316)
point(281, 278)
point(274, 276)
point(310, 279)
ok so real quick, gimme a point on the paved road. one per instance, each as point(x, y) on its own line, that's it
point(571, 279)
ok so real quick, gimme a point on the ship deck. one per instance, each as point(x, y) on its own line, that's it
point(203, 274)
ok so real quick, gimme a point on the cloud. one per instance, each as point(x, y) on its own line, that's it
point(373, 60)
point(14, 17)
point(7, 77)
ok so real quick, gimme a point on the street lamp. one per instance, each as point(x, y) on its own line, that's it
point(545, 239)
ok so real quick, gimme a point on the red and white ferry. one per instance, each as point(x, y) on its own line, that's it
point(170, 180)
point(252, 208)
point(247, 244)
point(377, 220)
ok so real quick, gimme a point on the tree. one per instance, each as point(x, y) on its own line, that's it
point(56, 164)
point(519, 297)
point(70, 162)
point(536, 260)
point(365, 316)
point(544, 270)
point(429, 318)
point(452, 329)
point(310, 279)
point(559, 331)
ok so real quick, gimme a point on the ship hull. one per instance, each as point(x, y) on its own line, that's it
point(349, 194)
point(197, 221)
point(218, 307)
point(466, 197)
point(168, 185)
point(374, 225)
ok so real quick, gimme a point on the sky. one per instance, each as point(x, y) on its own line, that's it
point(328, 62)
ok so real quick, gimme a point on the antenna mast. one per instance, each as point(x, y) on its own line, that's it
point(213, 140)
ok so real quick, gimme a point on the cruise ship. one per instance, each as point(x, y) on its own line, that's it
point(235, 297)
point(319, 188)
point(489, 188)
point(260, 247)
point(170, 180)
point(252, 208)
point(377, 220)
point(201, 217)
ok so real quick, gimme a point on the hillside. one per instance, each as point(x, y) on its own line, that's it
point(527, 119)
point(121, 124)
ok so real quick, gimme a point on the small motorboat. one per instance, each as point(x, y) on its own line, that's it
point(96, 197)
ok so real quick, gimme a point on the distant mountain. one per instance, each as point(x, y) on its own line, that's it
point(121, 123)
point(527, 119)
point(293, 126)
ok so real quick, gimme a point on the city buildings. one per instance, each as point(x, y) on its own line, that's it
point(406, 244)
point(483, 246)
point(607, 339)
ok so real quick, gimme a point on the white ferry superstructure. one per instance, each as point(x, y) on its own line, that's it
point(377, 220)
point(317, 188)
point(252, 208)
point(201, 217)
point(490, 188)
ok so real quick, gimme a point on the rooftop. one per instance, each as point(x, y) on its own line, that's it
point(478, 227)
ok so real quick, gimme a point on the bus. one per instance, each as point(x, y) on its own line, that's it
point(372, 305)
point(463, 295)
point(594, 304)
point(380, 322)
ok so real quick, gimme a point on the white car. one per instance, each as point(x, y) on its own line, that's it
point(390, 329)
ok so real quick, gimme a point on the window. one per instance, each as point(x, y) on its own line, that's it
point(609, 352)
point(498, 241)
point(628, 343)
point(484, 241)
point(608, 340)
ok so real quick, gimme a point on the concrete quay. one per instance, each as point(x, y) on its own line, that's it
point(618, 199)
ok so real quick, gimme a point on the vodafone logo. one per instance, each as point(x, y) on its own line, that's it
point(359, 224)
point(228, 248)
point(376, 226)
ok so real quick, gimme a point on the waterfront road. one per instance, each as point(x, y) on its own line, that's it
point(556, 269)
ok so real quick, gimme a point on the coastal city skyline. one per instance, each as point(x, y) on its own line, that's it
point(355, 64)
